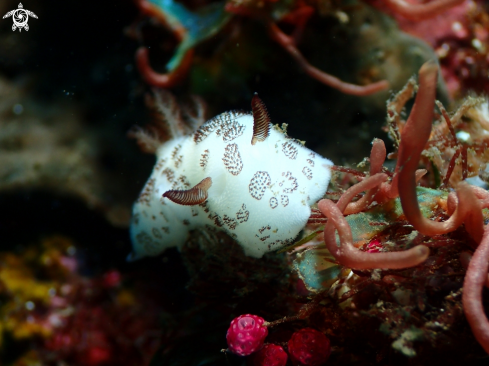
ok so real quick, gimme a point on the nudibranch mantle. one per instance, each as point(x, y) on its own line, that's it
point(236, 173)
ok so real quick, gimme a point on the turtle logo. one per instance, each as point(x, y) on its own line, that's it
point(20, 17)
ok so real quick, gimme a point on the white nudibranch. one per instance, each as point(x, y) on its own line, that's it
point(236, 173)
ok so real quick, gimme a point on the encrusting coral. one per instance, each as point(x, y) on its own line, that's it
point(48, 149)
point(50, 313)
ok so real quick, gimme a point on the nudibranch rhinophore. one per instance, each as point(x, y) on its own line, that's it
point(236, 173)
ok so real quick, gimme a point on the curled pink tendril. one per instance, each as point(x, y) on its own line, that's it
point(160, 80)
point(150, 76)
point(289, 45)
point(475, 279)
point(386, 190)
point(346, 254)
point(414, 137)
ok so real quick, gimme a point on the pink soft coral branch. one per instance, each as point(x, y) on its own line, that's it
point(346, 254)
point(414, 137)
point(386, 190)
point(377, 158)
point(289, 45)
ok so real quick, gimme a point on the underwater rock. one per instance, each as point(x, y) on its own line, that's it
point(48, 148)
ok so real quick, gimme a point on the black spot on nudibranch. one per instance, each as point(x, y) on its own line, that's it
point(160, 164)
point(170, 174)
point(307, 172)
point(204, 158)
point(145, 196)
point(291, 182)
point(262, 230)
point(149, 245)
point(230, 222)
point(207, 128)
point(232, 159)
point(243, 214)
point(273, 202)
point(177, 158)
point(217, 219)
point(224, 124)
point(156, 233)
point(289, 150)
point(184, 182)
point(233, 131)
point(284, 200)
point(258, 184)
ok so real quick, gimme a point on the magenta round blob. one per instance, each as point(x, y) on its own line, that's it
point(246, 334)
point(269, 355)
point(308, 347)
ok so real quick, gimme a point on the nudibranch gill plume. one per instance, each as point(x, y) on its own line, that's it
point(236, 173)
